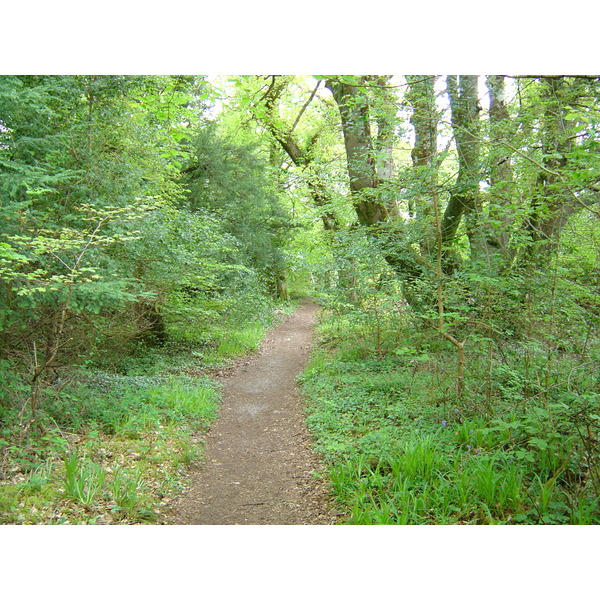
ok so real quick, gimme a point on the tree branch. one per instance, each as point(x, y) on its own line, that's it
point(305, 106)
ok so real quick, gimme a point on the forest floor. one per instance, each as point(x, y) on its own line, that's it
point(259, 467)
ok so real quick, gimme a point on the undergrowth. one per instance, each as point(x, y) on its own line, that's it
point(520, 447)
point(107, 450)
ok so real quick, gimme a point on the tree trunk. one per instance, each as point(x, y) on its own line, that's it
point(553, 205)
point(424, 119)
point(370, 209)
point(503, 191)
point(386, 107)
point(153, 330)
point(465, 197)
point(360, 155)
point(282, 291)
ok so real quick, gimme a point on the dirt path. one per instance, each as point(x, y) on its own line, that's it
point(259, 468)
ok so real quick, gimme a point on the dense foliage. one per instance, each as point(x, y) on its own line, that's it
point(136, 239)
point(150, 225)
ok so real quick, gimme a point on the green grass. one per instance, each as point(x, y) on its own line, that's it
point(195, 346)
point(117, 447)
point(241, 341)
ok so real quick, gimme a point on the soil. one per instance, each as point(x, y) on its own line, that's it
point(260, 468)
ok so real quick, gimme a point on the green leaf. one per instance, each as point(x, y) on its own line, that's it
point(538, 443)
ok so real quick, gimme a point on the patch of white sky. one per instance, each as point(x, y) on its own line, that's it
point(223, 86)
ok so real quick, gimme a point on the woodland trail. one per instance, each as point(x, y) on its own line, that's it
point(260, 467)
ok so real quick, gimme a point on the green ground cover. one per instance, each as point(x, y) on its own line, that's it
point(402, 449)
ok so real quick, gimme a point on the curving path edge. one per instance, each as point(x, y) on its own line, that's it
point(260, 468)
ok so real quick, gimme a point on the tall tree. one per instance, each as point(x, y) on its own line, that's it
point(424, 119)
point(384, 108)
point(360, 155)
point(503, 191)
point(302, 157)
point(371, 206)
point(553, 203)
point(464, 198)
